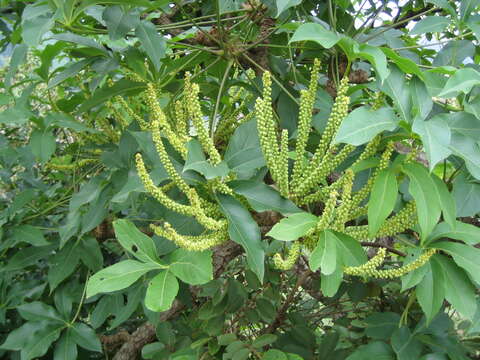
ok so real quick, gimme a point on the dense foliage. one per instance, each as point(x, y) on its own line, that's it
point(278, 179)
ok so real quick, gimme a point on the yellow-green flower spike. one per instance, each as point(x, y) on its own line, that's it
point(156, 192)
point(206, 221)
point(289, 262)
point(141, 122)
point(283, 164)
point(181, 119)
point(68, 167)
point(191, 243)
point(328, 211)
point(398, 272)
point(194, 111)
point(307, 100)
point(367, 268)
point(378, 101)
point(341, 215)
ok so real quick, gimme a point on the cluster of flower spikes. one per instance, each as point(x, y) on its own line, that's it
point(187, 110)
point(370, 268)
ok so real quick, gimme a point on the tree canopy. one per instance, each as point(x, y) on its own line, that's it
point(229, 179)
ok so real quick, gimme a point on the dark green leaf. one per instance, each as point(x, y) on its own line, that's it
point(431, 290)
point(152, 42)
point(194, 268)
point(468, 233)
point(466, 256)
point(65, 349)
point(382, 200)
point(80, 40)
point(382, 325)
point(29, 234)
point(119, 23)
point(405, 345)
point(38, 311)
point(435, 135)
point(27, 256)
point(374, 350)
point(85, 337)
point(161, 291)
point(19, 56)
point(197, 161)
point(446, 201)
point(43, 145)
point(63, 264)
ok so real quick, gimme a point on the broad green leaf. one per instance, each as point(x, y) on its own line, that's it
point(151, 350)
point(124, 312)
point(431, 290)
point(423, 190)
point(66, 121)
point(34, 29)
point(194, 268)
point(467, 8)
point(349, 250)
point(65, 348)
point(382, 200)
point(26, 257)
point(466, 256)
point(362, 124)
point(18, 57)
point(264, 340)
point(422, 102)
point(463, 123)
point(381, 325)
point(135, 242)
point(435, 135)
point(118, 276)
point(468, 233)
point(152, 42)
point(161, 291)
point(263, 197)
point(80, 40)
point(405, 345)
point(119, 23)
point(414, 277)
point(397, 89)
point(459, 290)
point(283, 5)
point(43, 145)
point(405, 64)
point(244, 153)
point(430, 24)
point(454, 53)
point(469, 150)
point(69, 72)
point(18, 338)
point(62, 265)
point(324, 256)
point(39, 343)
point(377, 350)
point(197, 161)
point(317, 33)
point(293, 227)
point(90, 253)
point(29, 234)
point(329, 284)
point(462, 81)
point(274, 354)
point(244, 231)
point(446, 201)
point(376, 57)
point(85, 337)
point(101, 95)
point(38, 311)
point(444, 4)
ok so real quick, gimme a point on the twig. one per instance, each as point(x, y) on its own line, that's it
point(388, 248)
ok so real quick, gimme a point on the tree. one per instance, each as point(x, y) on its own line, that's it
point(240, 179)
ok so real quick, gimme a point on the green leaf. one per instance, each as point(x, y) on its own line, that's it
point(324, 256)
point(26, 257)
point(29, 234)
point(43, 145)
point(317, 33)
point(101, 95)
point(149, 351)
point(430, 24)
point(454, 53)
point(362, 124)
point(65, 349)
point(469, 150)
point(135, 242)
point(293, 227)
point(39, 343)
point(468, 233)
point(405, 64)
point(376, 57)
point(19, 56)
point(85, 337)
point(38, 311)
point(194, 268)
point(63, 120)
point(152, 42)
point(18, 338)
point(446, 201)
point(119, 23)
point(80, 40)
point(349, 250)
point(244, 231)
point(244, 153)
point(161, 291)
point(422, 102)
point(197, 161)
point(283, 5)
point(382, 325)
point(382, 200)
point(377, 350)
point(431, 290)
point(63, 264)
point(263, 197)
point(466, 256)
point(423, 190)
point(396, 88)
point(459, 290)
point(33, 29)
point(435, 135)
point(118, 276)
point(414, 277)
point(91, 254)
point(467, 195)
point(274, 354)
point(329, 284)
point(264, 340)
point(405, 345)
point(69, 72)
point(462, 81)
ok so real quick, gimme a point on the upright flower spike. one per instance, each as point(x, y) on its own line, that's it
point(194, 111)
point(181, 120)
point(328, 211)
point(159, 120)
point(339, 111)
point(283, 164)
point(341, 216)
point(289, 262)
point(141, 122)
point(307, 100)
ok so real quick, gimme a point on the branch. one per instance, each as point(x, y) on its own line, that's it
point(388, 248)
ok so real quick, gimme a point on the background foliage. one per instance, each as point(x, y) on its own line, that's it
point(72, 203)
